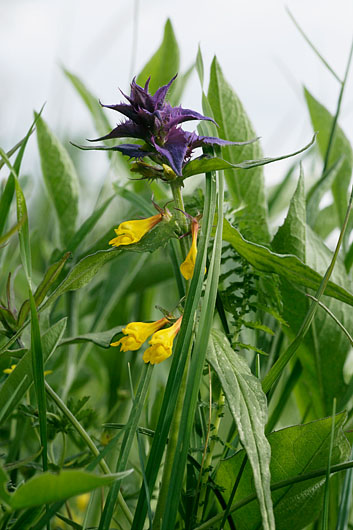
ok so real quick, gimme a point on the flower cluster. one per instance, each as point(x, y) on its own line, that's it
point(161, 343)
point(151, 119)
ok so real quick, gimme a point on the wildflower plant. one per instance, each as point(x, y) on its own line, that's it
point(192, 333)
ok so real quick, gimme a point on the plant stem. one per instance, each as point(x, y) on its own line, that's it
point(208, 461)
point(89, 442)
point(179, 203)
point(172, 443)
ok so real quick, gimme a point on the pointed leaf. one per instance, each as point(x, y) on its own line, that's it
point(322, 122)
point(245, 187)
point(100, 338)
point(164, 64)
point(60, 179)
point(248, 406)
point(48, 488)
point(294, 451)
point(286, 265)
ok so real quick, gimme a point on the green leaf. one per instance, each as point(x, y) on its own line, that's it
point(326, 221)
point(322, 372)
point(318, 190)
point(12, 231)
point(87, 226)
point(18, 382)
point(60, 179)
point(82, 273)
point(48, 488)
point(322, 120)
point(4, 495)
point(288, 266)
point(100, 120)
point(100, 338)
point(245, 187)
point(248, 406)
point(295, 451)
point(164, 64)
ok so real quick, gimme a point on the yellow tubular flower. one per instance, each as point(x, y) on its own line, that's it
point(161, 344)
point(137, 333)
point(187, 267)
point(132, 231)
point(10, 370)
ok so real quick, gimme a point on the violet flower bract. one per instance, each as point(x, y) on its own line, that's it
point(157, 123)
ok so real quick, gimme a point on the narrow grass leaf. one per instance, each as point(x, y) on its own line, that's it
point(322, 121)
point(195, 370)
point(345, 500)
point(126, 445)
point(18, 382)
point(179, 356)
point(49, 278)
point(9, 190)
point(248, 405)
point(38, 378)
point(100, 120)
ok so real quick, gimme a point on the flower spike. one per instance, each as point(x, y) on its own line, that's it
point(152, 119)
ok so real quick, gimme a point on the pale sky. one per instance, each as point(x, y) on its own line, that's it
point(261, 52)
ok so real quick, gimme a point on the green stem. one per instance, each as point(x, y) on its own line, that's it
point(208, 461)
point(179, 203)
point(89, 442)
point(170, 453)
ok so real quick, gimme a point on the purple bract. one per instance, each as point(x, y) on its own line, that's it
point(157, 123)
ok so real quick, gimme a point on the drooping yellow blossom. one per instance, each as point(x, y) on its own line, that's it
point(137, 333)
point(130, 232)
point(187, 267)
point(10, 370)
point(82, 501)
point(161, 344)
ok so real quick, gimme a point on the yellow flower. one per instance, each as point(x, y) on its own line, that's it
point(10, 370)
point(137, 333)
point(187, 267)
point(13, 366)
point(131, 232)
point(161, 344)
point(82, 501)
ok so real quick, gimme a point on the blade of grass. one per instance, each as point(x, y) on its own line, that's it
point(346, 500)
point(327, 482)
point(280, 364)
point(125, 449)
point(315, 50)
point(38, 378)
point(7, 195)
point(179, 356)
point(345, 331)
point(195, 372)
